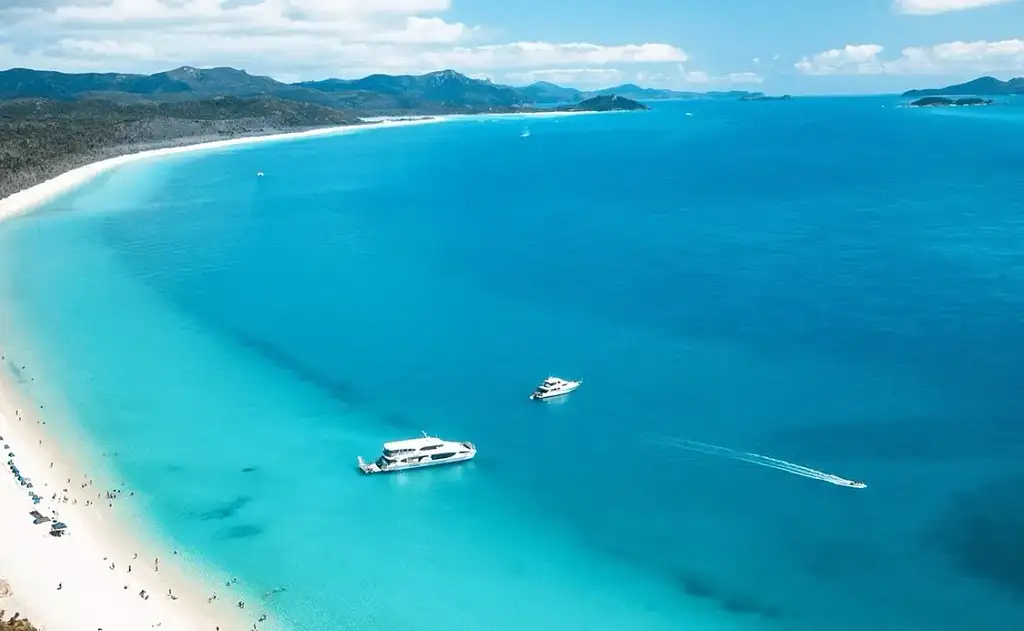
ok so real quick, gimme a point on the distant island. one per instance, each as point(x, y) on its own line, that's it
point(51, 122)
point(609, 103)
point(543, 92)
point(982, 86)
point(942, 101)
point(765, 97)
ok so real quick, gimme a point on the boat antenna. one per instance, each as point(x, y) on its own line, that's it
point(424, 434)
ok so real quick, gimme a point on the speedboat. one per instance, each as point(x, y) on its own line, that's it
point(852, 484)
point(414, 453)
point(554, 387)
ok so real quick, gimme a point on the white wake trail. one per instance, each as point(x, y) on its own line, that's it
point(763, 461)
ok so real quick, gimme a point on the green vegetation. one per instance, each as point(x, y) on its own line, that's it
point(14, 623)
point(51, 122)
point(609, 103)
point(764, 97)
point(982, 86)
point(941, 101)
point(40, 138)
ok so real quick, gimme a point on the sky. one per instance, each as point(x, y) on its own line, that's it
point(774, 46)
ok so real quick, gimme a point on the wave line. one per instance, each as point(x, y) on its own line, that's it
point(762, 461)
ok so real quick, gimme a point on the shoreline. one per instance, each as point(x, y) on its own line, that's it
point(28, 199)
point(94, 577)
point(36, 195)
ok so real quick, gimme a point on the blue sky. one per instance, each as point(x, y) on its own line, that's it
point(794, 46)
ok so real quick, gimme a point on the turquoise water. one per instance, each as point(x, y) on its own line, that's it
point(825, 281)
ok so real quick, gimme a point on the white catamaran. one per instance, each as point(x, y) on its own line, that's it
point(413, 453)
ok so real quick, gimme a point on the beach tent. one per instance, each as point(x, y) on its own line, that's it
point(58, 529)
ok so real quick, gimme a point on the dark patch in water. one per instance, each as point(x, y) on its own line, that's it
point(174, 468)
point(228, 510)
point(981, 531)
point(397, 420)
point(15, 371)
point(839, 558)
point(243, 531)
point(339, 390)
point(733, 604)
point(729, 600)
point(248, 469)
point(697, 586)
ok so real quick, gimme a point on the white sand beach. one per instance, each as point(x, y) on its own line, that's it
point(102, 575)
point(94, 577)
point(26, 200)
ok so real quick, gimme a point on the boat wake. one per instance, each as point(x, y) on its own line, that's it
point(763, 461)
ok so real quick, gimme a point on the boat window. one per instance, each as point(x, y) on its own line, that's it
point(441, 456)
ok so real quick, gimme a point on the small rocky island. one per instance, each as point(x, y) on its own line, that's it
point(942, 101)
point(765, 97)
point(605, 103)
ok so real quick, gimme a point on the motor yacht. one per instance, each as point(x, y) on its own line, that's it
point(413, 453)
point(554, 387)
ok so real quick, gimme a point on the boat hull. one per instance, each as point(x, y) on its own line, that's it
point(542, 396)
point(373, 467)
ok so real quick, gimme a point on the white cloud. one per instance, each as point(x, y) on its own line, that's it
point(932, 7)
point(701, 78)
point(743, 77)
point(533, 54)
point(948, 58)
point(850, 59)
point(287, 38)
point(575, 77)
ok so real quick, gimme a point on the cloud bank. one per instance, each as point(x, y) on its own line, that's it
point(933, 7)
point(948, 58)
point(298, 39)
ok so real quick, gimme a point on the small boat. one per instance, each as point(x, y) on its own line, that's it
point(554, 387)
point(259, 174)
point(414, 453)
point(854, 484)
point(525, 134)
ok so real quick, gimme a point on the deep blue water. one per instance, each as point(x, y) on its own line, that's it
point(828, 281)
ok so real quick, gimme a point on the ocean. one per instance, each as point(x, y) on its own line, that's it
point(834, 282)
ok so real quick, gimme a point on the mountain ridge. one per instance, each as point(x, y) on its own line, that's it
point(982, 86)
point(439, 90)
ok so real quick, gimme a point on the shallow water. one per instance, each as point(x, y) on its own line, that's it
point(824, 280)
